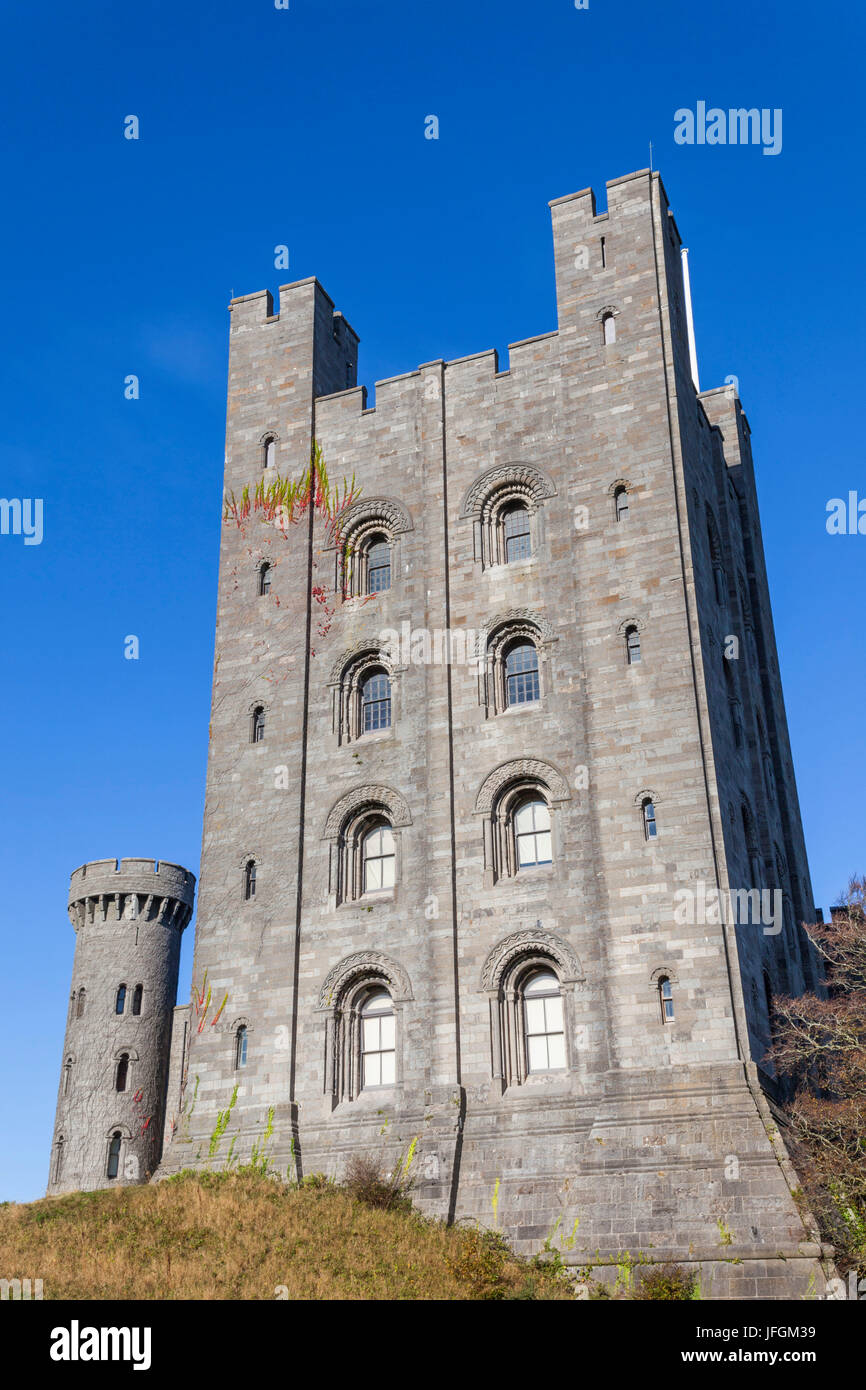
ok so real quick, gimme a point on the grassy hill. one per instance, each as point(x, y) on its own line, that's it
point(243, 1235)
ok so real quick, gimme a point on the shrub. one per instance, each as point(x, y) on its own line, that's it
point(365, 1182)
point(667, 1282)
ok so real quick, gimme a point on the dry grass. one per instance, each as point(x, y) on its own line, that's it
point(241, 1235)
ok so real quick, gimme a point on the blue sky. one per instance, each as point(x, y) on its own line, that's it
point(305, 127)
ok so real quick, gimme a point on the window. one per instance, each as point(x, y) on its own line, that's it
point(120, 999)
point(122, 1072)
point(114, 1155)
point(532, 835)
point(666, 999)
point(603, 255)
point(378, 858)
point(516, 540)
point(620, 504)
point(67, 1075)
point(58, 1158)
point(521, 674)
point(136, 999)
point(265, 579)
point(241, 1047)
point(608, 325)
point(650, 828)
point(269, 450)
point(543, 1023)
point(363, 696)
point(715, 547)
point(257, 727)
point(378, 1041)
point(632, 646)
point(82, 998)
point(375, 702)
point(250, 880)
point(750, 840)
point(378, 557)
point(512, 667)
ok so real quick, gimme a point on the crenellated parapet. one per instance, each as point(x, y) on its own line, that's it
point(128, 890)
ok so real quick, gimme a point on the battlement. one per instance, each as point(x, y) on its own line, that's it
point(143, 878)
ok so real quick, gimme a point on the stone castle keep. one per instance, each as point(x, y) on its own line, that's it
point(472, 904)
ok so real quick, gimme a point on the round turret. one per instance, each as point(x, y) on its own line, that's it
point(129, 916)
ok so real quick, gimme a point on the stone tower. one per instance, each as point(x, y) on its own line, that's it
point(485, 912)
point(129, 917)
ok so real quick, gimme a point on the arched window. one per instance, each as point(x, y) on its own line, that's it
point(608, 325)
point(137, 995)
point(363, 697)
point(378, 1040)
point(120, 999)
point(733, 705)
point(67, 1075)
point(82, 999)
point(512, 669)
point(378, 857)
point(521, 674)
point(58, 1158)
point(532, 834)
point(122, 1072)
point(257, 725)
point(715, 548)
point(650, 826)
point(620, 503)
point(378, 564)
point(515, 536)
point(250, 879)
point(368, 547)
point(751, 842)
point(114, 1155)
point(666, 999)
point(632, 646)
point(544, 1027)
point(269, 452)
point(265, 579)
point(241, 1047)
point(375, 701)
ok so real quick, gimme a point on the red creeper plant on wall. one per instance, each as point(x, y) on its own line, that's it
point(280, 504)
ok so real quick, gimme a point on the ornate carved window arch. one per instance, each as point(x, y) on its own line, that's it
point(363, 567)
point(345, 990)
point(361, 817)
point(510, 967)
point(501, 687)
point(353, 697)
point(499, 494)
point(504, 793)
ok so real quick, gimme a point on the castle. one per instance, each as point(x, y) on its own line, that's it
point(518, 914)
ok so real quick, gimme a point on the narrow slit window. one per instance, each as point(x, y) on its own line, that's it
point(650, 826)
point(250, 880)
point(122, 1072)
point(666, 999)
point(264, 580)
point(632, 646)
point(120, 999)
point(114, 1155)
point(241, 1048)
